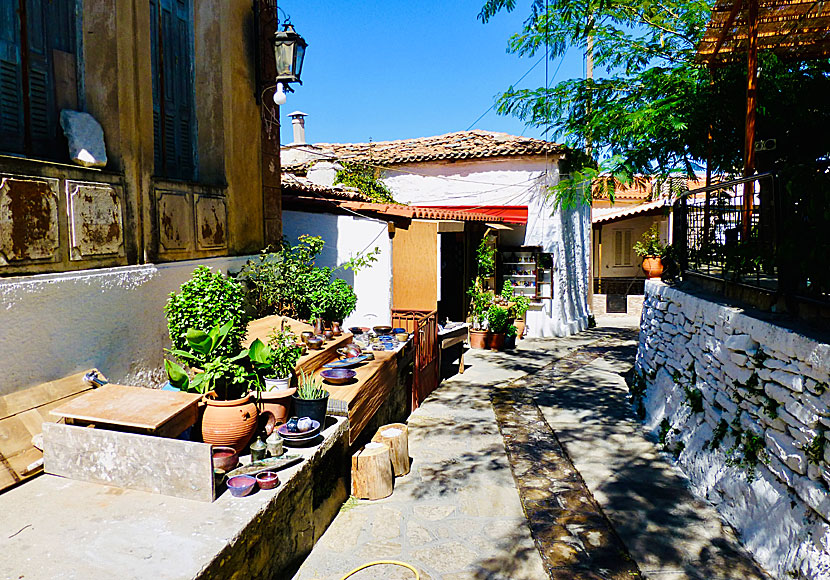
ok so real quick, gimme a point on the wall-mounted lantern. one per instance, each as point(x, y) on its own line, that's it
point(289, 51)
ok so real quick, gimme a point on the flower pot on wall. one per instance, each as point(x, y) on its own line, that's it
point(653, 266)
point(276, 404)
point(480, 338)
point(229, 423)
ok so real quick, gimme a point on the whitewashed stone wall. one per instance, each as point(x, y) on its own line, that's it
point(722, 383)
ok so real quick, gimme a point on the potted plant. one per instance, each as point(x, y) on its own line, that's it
point(274, 365)
point(230, 417)
point(480, 302)
point(651, 249)
point(498, 320)
point(510, 337)
point(311, 399)
point(518, 307)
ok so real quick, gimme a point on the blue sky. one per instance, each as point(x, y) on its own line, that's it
point(396, 69)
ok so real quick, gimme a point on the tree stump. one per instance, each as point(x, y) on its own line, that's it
point(396, 435)
point(372, 476)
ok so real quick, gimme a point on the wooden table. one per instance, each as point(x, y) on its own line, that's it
point(133, 409)
point(451, 337)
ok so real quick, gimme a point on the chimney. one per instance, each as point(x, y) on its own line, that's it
point(298, 123)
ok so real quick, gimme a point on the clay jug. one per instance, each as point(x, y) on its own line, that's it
point(229, 423)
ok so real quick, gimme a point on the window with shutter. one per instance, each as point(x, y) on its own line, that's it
point(622, 247)
point(173, 96)
point(34, 36)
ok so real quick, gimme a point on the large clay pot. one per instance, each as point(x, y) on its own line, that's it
point(229, 423)
point(276, 407)
point(496, 341)
point(519, 323)
point(653, 266)
point(480, 338)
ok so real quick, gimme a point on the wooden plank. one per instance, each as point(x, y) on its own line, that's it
point(22, 415)
point(125, 406)
point(128, 460)
point(415, 267)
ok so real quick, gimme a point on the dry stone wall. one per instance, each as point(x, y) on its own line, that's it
point(744, 406)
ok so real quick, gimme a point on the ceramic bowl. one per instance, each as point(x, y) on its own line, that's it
point(381, 330)
point(398, 330)
point(225, 458)
point(349, 351)
point(338, 376)
point(241, 485)
point(355, 330)
point(314, 343)
point(328, 334)
point(305, 335)
point(402, 336)
point(267, 480)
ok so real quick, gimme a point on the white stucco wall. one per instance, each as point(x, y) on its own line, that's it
point(347, 236)
point(516, 181)
point(54, 325)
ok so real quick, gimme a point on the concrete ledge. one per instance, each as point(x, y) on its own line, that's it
point(59, 528)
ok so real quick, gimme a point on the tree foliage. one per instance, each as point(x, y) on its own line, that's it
point(364, 178)
point(649, 108)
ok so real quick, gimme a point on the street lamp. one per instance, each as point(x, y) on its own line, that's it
point(289, 50)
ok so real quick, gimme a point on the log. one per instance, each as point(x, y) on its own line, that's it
point(396, 435)
point(372, 476)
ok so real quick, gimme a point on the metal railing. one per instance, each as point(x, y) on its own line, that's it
point(729, 231)
point(423, 325)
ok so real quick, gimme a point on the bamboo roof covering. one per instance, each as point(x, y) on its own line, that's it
point(792, 29)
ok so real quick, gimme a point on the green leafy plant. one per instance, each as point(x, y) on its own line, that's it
point(213, 371)
point(206, 300)
point(310, 388)
point(480, 301)
point(815, 450)
point(334, 301)
point(276, 359)
point(520, 303)
point(498, 319)
point(511, 331)
point(650, 244)
point(366, 179)
point(486, 256)
point(719, 434)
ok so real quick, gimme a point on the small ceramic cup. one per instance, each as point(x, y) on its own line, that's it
point(267, 480)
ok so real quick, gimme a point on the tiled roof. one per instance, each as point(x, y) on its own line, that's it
point(458, 146)
point(297, 185)
point(639, 189)
point(612, 214)
point(420, 212)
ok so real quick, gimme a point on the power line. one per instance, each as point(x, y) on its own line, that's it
point(516, 83)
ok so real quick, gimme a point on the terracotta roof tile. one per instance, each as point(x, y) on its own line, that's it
point(475, 144)
point(297, 185)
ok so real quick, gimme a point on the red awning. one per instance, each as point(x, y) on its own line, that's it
point(511, 214)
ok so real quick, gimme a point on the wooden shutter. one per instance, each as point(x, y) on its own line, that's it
point(11, 80)
point(42, 114)
point(155, 56)
point(173, 89)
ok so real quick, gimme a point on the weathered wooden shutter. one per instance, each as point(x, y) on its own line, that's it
point(42, 114)
point(173, 89)
point(155, 58)
point(11, 80)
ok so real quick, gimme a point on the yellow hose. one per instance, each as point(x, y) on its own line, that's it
point(378, 562)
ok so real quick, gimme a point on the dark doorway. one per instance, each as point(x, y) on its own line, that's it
point(616, 303)
point(453, 280)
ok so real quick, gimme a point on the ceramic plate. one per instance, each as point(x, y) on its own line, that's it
point(286, 434)
point(346, 362)
point(303, 441)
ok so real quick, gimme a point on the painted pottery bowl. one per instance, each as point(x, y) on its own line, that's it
point(225, 458)
point(241, 485)
point(267, 480)
point(314, 343)
point(398, 330)
point(381, 330)
point(402, 336)
point(355, 330)
point(338, 376)
point(305, 335)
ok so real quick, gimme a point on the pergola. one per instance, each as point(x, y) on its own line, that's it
point(792, 29)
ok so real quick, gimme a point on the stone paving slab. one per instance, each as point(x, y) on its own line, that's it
point(668, 531)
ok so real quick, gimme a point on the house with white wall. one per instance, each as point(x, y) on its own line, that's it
point(483, 172)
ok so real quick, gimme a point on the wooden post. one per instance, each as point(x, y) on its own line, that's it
point(372, 476)
point(751, 106)
point(396, 435)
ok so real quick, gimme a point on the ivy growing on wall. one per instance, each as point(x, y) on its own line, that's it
point(366, 179)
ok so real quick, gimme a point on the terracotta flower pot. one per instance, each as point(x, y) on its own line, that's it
point(480, 338)
point(277, 404)
point(229, 423)
point(519, 323)
point(653, 266)
point(496, 341)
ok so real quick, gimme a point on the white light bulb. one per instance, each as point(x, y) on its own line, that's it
point(279, 95)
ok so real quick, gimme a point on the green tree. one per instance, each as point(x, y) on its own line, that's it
point(650, 108)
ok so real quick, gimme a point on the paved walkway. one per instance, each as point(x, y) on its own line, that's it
point(530, 466)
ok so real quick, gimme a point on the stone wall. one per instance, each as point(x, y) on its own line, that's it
point(743, 406)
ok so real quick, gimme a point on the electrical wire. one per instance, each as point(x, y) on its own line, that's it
point(516, 83)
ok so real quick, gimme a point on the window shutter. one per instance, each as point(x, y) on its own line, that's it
point(618, 241)
point(11, 80)
point(627, 248)
point(42, 114)
point(173, 119)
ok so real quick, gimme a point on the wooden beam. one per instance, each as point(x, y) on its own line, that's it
point(736, 8)
point(751, 106)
